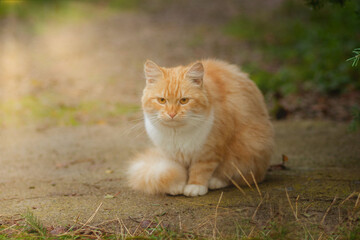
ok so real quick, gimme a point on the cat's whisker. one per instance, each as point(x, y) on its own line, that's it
point(136, 120)
point(139, 134)
point(155, 120)
point(137, 125)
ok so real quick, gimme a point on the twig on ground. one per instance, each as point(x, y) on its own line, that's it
point(180, 227)
point(257, 208)
point(295, 212)
point(296, 205)
point(105, 222)
point(339, 212)
point(308, 206)
point(256, 185)
point(155, 227)
point(216, 212)
point(251, 232)
point(307, 230)
point(242, 230)
point(5, 229)
point(346, 199)
point(90, 218)
point(101, 230)
point(117, 194)
point(342, 202)
point(246, 181)
point(133, 219)
point(236, 185)
point(72, 227)
point(327, 211)
point(137, 227)
point(123, 224)
point(357, 201)
point(291, 206)
point(121, 228)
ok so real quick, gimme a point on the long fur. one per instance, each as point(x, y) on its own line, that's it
point(223, 129)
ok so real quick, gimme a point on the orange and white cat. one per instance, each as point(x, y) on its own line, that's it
point(209, 124)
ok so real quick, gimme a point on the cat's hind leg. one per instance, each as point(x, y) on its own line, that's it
point(216, 183)
point(153, 173)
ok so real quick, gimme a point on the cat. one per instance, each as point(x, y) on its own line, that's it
point(210, 127)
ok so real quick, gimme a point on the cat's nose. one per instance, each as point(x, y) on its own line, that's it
point(172, 114)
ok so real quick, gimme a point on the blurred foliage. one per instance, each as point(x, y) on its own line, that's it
point(302, 50)
point(48, 110)
point(355, 122)
point(25, 9)
point(356, 58)
point(320, 3)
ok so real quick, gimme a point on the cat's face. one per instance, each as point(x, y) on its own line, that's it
point(175, 97)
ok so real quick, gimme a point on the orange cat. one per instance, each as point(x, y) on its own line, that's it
point(208, 122)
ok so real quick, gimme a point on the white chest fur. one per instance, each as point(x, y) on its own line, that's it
point(186, 141)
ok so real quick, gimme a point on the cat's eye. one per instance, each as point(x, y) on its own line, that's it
point(161, 100)
point(184, 100)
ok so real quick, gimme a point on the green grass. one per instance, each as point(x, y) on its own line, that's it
point(27, 9)
point(47, 109)
point(302, 49)
point(33, 224)
point(31, 227)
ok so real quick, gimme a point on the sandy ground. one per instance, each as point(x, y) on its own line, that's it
point(62, 173)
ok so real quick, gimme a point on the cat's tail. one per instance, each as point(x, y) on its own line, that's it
point(153, 173)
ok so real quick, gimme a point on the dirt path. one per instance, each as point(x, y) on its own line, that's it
point(65, 172)
point(69, 89)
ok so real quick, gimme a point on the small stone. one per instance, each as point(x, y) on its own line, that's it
point(147, 224)
point(57, 231)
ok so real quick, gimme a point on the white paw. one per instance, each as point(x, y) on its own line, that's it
point(176, 189)
point(216, 183)
point(193, 190)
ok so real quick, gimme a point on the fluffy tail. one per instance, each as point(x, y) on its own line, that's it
point(152, 173)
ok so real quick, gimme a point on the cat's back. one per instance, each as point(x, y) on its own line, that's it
point(229, 87)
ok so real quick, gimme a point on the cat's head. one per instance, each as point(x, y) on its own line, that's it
point(175, 96)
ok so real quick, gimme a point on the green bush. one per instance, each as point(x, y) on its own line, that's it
point(306, 49)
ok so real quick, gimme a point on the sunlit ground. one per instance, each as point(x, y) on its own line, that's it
point(67, 66)
point(74, 62)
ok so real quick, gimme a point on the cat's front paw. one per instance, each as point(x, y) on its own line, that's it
point(193, 190)
point(176, 189)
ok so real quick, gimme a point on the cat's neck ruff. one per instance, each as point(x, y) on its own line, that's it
point(187, 140)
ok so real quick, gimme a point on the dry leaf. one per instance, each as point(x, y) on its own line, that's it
point(285, 158)
point(108, 196)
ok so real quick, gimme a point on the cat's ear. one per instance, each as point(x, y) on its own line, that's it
point(152, 72)
point(196, 73)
